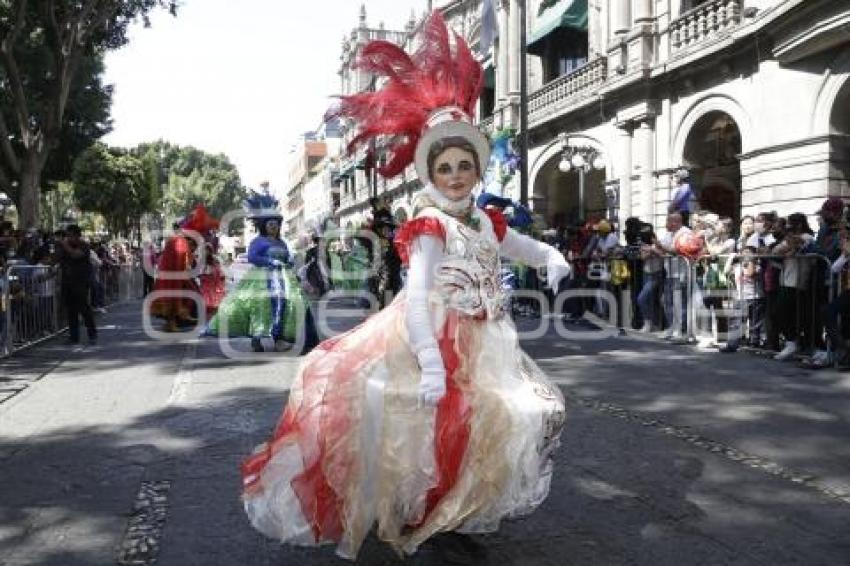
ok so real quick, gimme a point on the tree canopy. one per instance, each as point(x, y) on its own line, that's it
point(190, 176)
point(113, 183)
point(123, 184)
point(45, 48)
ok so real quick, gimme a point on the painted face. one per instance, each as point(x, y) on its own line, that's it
point(454, 173)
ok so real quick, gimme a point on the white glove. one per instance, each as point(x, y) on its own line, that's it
point(432, 387)
point(275, 264)
point(555, 271)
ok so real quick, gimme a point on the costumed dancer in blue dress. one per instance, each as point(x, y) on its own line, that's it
point(268, 301)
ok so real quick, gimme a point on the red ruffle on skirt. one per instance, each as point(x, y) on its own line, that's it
point(454, 413)
point(318, 423)
point(319, 427)
point(212, 289)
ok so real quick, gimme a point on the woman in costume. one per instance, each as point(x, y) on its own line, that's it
point(268, 301)
point(212, 280)
point(176, 270)
point(428, 417)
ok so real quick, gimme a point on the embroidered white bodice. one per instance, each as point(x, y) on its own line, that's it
point(468, 277)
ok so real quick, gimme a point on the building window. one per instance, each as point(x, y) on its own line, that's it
point(691, 4)
point(488, 93)
point(565, 52)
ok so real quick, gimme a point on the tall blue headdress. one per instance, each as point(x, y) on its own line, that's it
point(262, 206)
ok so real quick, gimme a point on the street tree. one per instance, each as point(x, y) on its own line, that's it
point(87, 119)
point(189, 176)
point(60, 35)
point(113, 183)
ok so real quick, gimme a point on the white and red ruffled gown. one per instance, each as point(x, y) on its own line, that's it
point(354, 449)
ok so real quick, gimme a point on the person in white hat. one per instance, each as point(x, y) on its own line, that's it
point(428, 417)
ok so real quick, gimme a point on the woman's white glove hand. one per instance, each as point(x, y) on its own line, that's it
point(555, 272)
point(275, 264)
point(432, 387)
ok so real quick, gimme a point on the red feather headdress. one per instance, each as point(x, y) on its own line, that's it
point(433, 86)
point(200, 220)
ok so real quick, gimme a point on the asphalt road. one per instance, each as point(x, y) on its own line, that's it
point(128, 453)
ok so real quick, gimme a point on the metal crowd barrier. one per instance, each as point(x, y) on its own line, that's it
point(622, 275)
point(31, 302)
point(686, 299)
point(124, 283)
point(721, 314)
point(30, 306)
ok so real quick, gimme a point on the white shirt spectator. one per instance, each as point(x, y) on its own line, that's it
point(759, 241)
point(676, 267)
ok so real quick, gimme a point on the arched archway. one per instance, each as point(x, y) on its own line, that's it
point(833, 85)
point(839, 119)
point(706, 105)
point(541, 156)
point(557, 195)
point(839, 127)
point(710, 153)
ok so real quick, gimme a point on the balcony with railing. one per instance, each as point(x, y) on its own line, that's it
point(564, 92)
point(397, 37)
point(704, 23)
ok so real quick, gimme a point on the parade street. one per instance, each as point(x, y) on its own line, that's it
point(128, 453)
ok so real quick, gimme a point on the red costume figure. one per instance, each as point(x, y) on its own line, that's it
point(212, 281)
point(176, 272)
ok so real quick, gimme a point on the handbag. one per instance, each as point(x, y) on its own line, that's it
point(620, 272)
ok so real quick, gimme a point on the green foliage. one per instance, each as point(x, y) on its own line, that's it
point(188, 176)
point(122, 185)
point(112, 182)
point(86, 116)
point(59, 207)
point(87, 119)
point(52, 101)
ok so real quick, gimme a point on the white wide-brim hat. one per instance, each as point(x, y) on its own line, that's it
point(448, 122)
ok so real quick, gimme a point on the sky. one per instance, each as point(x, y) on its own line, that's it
point(239, 77)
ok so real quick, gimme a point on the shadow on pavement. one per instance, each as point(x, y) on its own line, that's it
point(619, 496)
point(795, 417)
point(621, 493)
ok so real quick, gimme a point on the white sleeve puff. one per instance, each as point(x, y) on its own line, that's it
point(536, 254)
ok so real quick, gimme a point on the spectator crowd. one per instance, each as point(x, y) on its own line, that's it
point(771, 283)
point(30, 293)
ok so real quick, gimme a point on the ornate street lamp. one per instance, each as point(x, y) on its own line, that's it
point(583, 159)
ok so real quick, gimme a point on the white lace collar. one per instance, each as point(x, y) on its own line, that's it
point(447, 205)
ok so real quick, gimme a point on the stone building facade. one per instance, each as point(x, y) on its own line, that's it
point(751, 96)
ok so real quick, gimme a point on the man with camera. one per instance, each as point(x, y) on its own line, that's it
point(72, 254)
